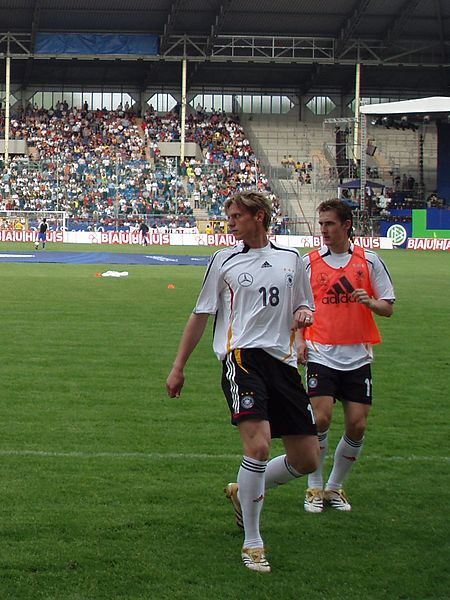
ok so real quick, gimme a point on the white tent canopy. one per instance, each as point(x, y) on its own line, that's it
point(435, 104)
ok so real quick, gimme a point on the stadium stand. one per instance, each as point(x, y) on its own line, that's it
point(92, 136)
point(93, 164)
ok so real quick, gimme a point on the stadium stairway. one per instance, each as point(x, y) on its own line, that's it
point(201, 217)
point(148, 154)
point(275, 139)
point(33, 153)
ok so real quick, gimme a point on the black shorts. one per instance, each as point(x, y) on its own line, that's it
point(259, 386)
point(354, 386)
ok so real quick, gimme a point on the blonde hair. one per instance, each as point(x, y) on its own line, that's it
point(252, 202)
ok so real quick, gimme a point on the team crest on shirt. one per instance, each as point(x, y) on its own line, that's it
point(322, 279)
point(359, 273)
point(289, 279)
point(312, 382)
point(245, 279)
point(247, 402)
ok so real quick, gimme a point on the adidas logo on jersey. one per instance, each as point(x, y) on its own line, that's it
point(265, 265)
point(340, 292)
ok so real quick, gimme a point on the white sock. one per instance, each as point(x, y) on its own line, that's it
point(279, 471)
point(251, 496)
point(347, 452)
point(315, 479)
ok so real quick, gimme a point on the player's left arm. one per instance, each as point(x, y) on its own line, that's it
point(302, 349)
point(382, 302)
point(382, 308)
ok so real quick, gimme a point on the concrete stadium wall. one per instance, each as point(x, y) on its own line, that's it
point(174, 149)
point(14, 146)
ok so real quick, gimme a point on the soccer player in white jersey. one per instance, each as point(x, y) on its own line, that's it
point(349, 286)
point(259, 294)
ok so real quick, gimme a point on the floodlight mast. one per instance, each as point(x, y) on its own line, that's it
point(362, 161)
point(183, 109)
point(7, 102)
point(357, 106)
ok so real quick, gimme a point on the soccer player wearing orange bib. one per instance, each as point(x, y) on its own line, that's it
point(349, 285)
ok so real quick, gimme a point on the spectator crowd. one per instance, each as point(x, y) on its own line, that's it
point(101, 166)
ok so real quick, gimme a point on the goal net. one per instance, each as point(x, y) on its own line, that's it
point(22, 225)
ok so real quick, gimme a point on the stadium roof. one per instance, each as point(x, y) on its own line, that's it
point(418, 106)
point(305, 45)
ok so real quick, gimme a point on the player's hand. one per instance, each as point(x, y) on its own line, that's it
point(302, 354)
point(303, 317)
point(361, 296)
point(175, 382)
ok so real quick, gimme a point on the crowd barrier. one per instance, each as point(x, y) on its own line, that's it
point(158, 238)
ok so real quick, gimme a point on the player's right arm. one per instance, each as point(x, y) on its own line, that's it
point(192, 334)
point(303, 297)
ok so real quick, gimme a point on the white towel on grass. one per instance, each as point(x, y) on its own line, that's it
point(115, 274)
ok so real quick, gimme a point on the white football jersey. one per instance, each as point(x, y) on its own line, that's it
point(351, 356)
point(254, 293)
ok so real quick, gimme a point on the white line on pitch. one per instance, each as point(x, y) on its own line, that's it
point(17, 255)
point(194, 456)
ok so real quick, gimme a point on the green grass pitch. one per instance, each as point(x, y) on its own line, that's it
point(110, 490)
